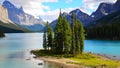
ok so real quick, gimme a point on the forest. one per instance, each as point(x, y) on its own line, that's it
point(65, 39)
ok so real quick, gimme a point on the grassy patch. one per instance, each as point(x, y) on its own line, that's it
point(86, 59)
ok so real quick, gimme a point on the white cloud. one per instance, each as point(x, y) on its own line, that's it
point(52, 15)
point(33, 7)
point(68, 1)
point(36, 7)
point(93, 4)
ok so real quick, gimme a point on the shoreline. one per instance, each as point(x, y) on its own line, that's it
point(110, 57)
point(60, 63)
point(70, 63)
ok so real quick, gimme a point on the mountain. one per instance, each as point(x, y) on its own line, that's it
point(18, 16)
point(83, 17)
point(116, 6)
point(108, 27)
point(109, 19)
point(105, 9)
point(4, 15)
point(7, 25)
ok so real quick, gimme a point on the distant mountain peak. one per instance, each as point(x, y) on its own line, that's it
point(8, 4)
point(76, 11)
point(18, 16)
point(21, 8)
point(64, 14)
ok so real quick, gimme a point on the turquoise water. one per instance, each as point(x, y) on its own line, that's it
point(103, 47)
point(15, 47)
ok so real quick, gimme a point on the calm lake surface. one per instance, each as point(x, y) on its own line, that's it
point(15, 47)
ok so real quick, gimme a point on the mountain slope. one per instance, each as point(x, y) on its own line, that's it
point(105, 9)
point(7, 25)
point(4, 15)
point(18, 16)
point(108, 27)
point(83, 17)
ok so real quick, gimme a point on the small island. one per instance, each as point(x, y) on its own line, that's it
point(65, 47)
point(2, 34)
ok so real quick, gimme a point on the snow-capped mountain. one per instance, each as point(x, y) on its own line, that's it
point(104, 9)
point(18, 16)
point(6, 25)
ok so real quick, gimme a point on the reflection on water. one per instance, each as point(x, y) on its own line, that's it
point(15, 48)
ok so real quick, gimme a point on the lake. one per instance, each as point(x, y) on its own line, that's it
point(15, 47)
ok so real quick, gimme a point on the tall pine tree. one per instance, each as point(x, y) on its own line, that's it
point(62, 35)
point(45, 41)
point(66, 36)
point(77, 36)
point(58, 36)
point(49, 36)
point(73, 36)
point(81, 36)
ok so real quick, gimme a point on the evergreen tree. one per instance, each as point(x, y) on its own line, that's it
point(77, 36)
point(62, 35)
point(73, 36)
point(66, 36)
point(59, 35)
point(81, 35)
point(44, 41)
point(49, 36)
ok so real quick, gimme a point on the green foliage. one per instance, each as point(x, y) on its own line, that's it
point(85, 60)
point(12, 28)
point(48, 38)
point(107, 28)
point(66, 35)
point(77, 37)
point(58, 36)
point(62, 35)
point(45, 41)
point(65, 40)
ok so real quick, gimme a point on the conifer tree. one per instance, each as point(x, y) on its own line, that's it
point(49, 36)
point(77, 36)
point(66, 36)
point(62, 35)
point(73, 36)
point(44, 41)
point(81, 36)
point(58, 36)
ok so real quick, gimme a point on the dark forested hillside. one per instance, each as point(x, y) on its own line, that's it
point(11, 28)
point(107, 27)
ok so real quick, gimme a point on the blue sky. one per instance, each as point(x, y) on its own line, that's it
point(64, 4)
point(48, 10)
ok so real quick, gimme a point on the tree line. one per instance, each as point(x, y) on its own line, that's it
point(65, 39)
point(105, 31)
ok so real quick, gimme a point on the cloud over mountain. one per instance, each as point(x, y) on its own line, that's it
point(38, 8)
